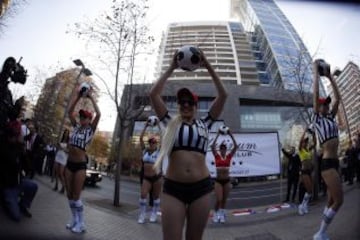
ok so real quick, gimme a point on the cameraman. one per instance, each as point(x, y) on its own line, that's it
point(17, 193)
point(8, 110)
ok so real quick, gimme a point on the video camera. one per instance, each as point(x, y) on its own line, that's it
point(323, 67)
point(13, 70)
point(19, 73)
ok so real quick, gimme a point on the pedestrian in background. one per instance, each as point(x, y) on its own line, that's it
point(351, 156)
point(357, 152)
point(343, 160)
point(18, 191)
point(293, 170)
point(60, 161)
point(35, 149)
point(187, 184)
point(50, 159)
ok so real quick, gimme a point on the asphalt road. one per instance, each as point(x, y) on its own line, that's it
point(245, 195)
point(256, 194)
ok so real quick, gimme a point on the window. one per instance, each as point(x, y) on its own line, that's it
point(286, 120)
point(203, 104)
point(268, 117)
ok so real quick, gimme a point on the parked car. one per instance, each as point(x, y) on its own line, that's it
point(92, 177)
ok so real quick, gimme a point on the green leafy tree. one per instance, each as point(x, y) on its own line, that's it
point(99, 147)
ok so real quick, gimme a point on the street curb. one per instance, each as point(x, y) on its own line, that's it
point(258, 214)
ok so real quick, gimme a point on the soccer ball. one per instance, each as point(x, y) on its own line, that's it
point(84, 89)
point(310, 129)
point(223, 130)
point(323, 67)
point(153, 120)
point(188, 58)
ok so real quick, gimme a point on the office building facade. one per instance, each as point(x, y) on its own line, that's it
point(251, 106)
point(348, 82)
point(276, 43)
point(225, 45)
point(52, 103)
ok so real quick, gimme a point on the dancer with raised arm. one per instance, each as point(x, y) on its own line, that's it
point(222, 180)
point(327, 133)
point(75, 171)
point(187, 184)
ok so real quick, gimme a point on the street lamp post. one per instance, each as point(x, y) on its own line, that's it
point(87, 72)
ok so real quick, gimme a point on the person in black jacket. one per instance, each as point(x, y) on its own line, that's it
point(357, 152)
point(351, 156)
point(8, 110)
point(35, 149)
point(293, 168)
point(18, 192)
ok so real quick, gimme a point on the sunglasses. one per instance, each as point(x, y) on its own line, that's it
point(184, 101)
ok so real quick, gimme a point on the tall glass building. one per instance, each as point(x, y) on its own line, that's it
point(276, 43)
point(225, 45)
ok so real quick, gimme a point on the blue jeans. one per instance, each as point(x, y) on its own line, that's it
point(21, 195)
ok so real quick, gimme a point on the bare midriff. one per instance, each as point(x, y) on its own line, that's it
point(222, 172)
point(187, 166)
point(149, 169)
point(76, 154)
point(330, 148)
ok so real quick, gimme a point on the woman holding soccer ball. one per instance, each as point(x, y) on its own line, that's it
point(222, 181)
point(151, 179)
point(327, 132)
point(75, 171)
point(187, 184)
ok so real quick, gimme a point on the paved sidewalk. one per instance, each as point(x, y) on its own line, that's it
point(51, 212)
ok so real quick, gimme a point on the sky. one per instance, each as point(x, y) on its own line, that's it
point(38, 33)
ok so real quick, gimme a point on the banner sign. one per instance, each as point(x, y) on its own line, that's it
point(257, 154)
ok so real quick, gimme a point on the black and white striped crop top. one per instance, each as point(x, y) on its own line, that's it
point(191, 137)
point(149, 157)
point(326, 127)
point(81, 136)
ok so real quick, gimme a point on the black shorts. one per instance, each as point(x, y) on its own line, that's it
point(152, 179)
point(188, 192)
point(75, 166)
point(306, 172)
point(223, 182)
point(328, 163)
point(306, 167)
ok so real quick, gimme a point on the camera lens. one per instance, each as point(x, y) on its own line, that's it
point(323, 67)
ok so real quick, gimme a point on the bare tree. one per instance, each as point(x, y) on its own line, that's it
point(8, 10)
point(123, 38)
point(299, 70)
point(37, 82)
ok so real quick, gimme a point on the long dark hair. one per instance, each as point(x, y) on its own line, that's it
point(65, 136)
